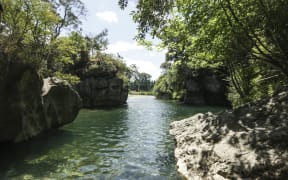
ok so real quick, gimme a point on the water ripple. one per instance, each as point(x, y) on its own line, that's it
point(122, 143)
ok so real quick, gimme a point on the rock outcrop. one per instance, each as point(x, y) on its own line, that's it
point(24, 112)
point(206, 88)
point(101, 91)
point(249, 142)
point(21, 110)
point(61, 102)
point(103, 82)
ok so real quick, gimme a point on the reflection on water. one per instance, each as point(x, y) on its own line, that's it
point(130, 142)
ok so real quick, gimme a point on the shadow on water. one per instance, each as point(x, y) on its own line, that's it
point(130, 142)
point(15, 158)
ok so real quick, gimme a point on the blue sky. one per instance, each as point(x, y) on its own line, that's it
point(107, 14)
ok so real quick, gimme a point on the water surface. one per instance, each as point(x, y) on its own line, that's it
point(131, 142)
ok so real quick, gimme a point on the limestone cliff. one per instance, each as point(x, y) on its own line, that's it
point(24, 112)
point(103, 83)
point(249, 142)
point(21, 110)
point(99, 91)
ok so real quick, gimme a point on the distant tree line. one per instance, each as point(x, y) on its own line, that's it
point(140, 81)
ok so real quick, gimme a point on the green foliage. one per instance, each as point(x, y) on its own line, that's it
point(28, 25)
point(162, 88)
point(255, 82)
point(139, 81)
point(30, 34)
point(243, 36)
point(31, 28)
point(72, 52)
point(107, 65)
point(71, 79)
point(78, 56)
point(172, 82)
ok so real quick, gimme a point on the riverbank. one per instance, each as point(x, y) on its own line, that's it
point(248, 142)
point(145, 93)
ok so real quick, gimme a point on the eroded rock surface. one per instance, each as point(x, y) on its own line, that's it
point(247, 143)
point(24, 112)
point(21, 110)
point(98, 91)
point(61, 102)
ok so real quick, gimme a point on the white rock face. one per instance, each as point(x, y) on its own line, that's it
point(247, 143)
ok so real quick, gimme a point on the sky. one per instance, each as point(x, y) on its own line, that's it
point(121, 31)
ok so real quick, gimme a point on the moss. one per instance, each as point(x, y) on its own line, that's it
point(71, 79)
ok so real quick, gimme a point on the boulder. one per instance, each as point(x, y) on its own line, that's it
point(96, 91)
point(249, 142)
point(24, 112)
point(61, 102)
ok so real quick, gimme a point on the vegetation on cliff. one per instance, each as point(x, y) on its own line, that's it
point(31, 33)
point(246, 38)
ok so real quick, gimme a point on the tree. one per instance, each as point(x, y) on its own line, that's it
point(139, 81)
point(145, 81)
point(162, 88)
point(73, 52)
point(69, 12)
point(227, 33)
point(32, 26)
point(1, 11)
point(204, 24)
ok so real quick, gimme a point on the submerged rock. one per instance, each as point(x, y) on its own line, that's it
point(24, 113)
point(249, 142)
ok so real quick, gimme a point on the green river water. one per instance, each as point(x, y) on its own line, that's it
point(130, 142)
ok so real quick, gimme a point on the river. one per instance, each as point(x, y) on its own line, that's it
point(131, 142)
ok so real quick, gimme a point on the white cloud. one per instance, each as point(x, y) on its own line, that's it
point(121, 46)
point(145, 66)
point(152, 54)
point(133, 3)
point(156, 52)
point(131, 52)
point(108, 16)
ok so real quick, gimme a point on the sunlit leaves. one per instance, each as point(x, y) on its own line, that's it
point(32, 27)
point(210, 34)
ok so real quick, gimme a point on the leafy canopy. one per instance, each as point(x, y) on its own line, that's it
point(240, 35)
